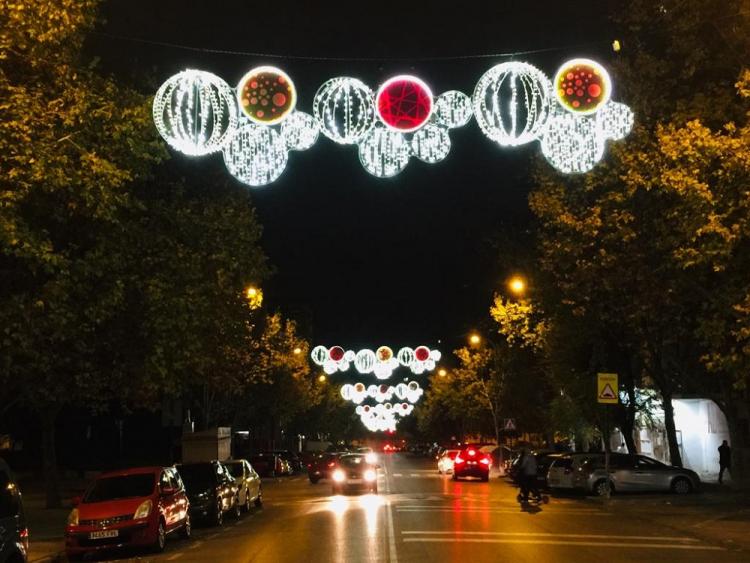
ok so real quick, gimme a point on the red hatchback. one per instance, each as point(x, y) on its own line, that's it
point(133, 507)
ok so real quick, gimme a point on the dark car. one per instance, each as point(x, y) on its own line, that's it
point(291, 458)
point(267, 464)
point(14, 535)
point(211, 489)
point(353, 473)
point(134, 507)
point(321, 466)
point(248, 483)
point(472, 462)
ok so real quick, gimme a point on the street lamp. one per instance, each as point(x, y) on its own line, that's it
point(322, 378)
point(517, 286)
point(475, 339)
point(297, 351)
point(442, 372)
point(254, 296)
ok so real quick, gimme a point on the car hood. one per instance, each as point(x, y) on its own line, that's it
point(110, 508)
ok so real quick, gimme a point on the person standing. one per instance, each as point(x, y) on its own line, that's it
point(528, 474)
point(725, 460)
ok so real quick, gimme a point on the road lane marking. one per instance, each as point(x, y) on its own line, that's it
point(196, 544)
point(175, 556)
point(398, 474)
point(392, 554)
point(551, 534)
point(500, 511)
point(566, 542)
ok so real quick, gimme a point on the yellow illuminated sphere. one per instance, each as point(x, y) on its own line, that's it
point(582, 86)
point(266, 95)
point(384, 353)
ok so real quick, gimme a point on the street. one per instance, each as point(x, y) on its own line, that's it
point(420, 515)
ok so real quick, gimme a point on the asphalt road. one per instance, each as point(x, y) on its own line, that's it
point(420, 515)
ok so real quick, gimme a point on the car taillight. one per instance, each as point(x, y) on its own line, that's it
point(485, 460)
point(24, 535)
point(458, 460)
point(472, 453)
point(331, 464)
point(567, 471)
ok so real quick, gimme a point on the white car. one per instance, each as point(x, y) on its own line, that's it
point(564, 470)
point(445, 463)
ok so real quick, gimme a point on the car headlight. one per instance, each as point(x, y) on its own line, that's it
point(371, 458)
point(73, 517)
point(370, 475)
point(144, 509)
point(338, 476)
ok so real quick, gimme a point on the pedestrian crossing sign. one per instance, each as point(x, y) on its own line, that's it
point(607, 388)
point(510, 424)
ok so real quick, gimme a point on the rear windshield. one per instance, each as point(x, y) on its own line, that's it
point(352, 461)
point(563, 462)
point(197, 476)
point(122, 486)
point(235, 469)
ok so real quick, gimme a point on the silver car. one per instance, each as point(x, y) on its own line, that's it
point(632, 473)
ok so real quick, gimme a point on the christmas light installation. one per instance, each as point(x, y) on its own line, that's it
point(332, 359)
point(512, 103)
point(381, 362)
point(256, 125)
point(384, 415)
point(582, 86)
point(195, 112)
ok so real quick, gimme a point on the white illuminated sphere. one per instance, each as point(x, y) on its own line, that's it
point(572, 143)
point(346, 392)
point(349, 357)
point(300, 131)
point(195, 112)
point(365, 361)
point(431, 144)
point(401, 391)
point(453, 109)
point(615, 120)
point(384, 152)
point(405, 356)
point(435, 355)
point(345, 109)
point(319, 355)
point(255, 155)
point(512, 103)
point(383, 370)
point(330, 367)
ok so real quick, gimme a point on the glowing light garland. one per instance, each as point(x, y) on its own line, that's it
point(381, 363)
point(195, 112)
point(514, 103)
point(383, 415)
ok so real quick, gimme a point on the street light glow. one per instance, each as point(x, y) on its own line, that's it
point(442, 372)
point(475, 339)
point(517, 285)
point(254, 296)
point(297, 351)
point(322, 378)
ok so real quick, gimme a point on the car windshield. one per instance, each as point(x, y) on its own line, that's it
point(197, 476)
point(235, 469)
point(120, 487)
point(352, 461)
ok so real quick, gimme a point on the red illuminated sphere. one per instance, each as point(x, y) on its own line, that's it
point(422, 353)
point(583, 86)
point(336, 353)
point(404, 103)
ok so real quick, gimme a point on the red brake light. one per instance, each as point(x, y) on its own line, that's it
point(485, 460)
point(472, 453)
point(24, 534)
point(331, 464)
point(458, 459)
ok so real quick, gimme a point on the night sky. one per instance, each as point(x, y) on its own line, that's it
point(364, 261)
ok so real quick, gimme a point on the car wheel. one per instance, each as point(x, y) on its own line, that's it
point(218, 514)
point(161, 537)
point(681, 486)
point(237, 508)
point(187, 528)
point(314, 480)
point(259, 500)
point(455, 477)
point(602, 487)
point(247, 501)
point(485, 478)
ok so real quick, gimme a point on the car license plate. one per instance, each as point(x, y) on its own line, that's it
point(472, 463)
point(103, 534)
point(355, 481)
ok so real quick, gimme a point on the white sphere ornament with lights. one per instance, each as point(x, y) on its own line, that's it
point(255, 155)
point(345, 109)
point(572, 143)
point(453, 109)
point(384, 152)
point(299, 131)
point(365, 361)
point(512, 103)
point(195, 112)
point(431, 144)
point(615, 121)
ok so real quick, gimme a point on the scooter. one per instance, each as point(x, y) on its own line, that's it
point(536, 501)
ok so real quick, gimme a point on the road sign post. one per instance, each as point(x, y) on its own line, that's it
point(607, 394)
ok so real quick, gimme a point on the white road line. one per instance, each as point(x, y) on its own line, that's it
point(175, 556)
point(553, 535)
point(398, 474)
point(565, 542)
point(392, 554)
point(196, 544)
point(500, 511)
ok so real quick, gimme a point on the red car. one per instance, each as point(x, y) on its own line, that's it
point(129, 508)
point(472, 462)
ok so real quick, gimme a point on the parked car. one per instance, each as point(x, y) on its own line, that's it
point(129, 508)
point(471, 462)
point(14, 535)
point(638, 473)
point(211, 489)
point(291, 458)
point(267, 464)
point(564, 472)
point(248, 483)
point(445, 463)
point(353, 473)
point(321, 467)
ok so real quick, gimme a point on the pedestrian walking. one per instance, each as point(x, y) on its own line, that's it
point(528, 475)
point(725, 460)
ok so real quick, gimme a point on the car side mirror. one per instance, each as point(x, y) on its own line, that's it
point(75, 501)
